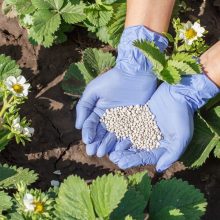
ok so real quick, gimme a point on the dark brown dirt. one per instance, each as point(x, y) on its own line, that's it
point(56, 144)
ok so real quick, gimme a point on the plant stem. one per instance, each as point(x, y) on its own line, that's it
point(6, 105)
point(3, 139)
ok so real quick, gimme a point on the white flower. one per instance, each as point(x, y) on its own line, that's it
point(16, 126)
point(57, 172)
point(28, 19)
point(55, 183)
point(28, 131)
point(28, 201)
point(191, 32)
point(17, 85)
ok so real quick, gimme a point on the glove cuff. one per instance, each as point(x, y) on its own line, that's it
point(130, 59)
point(197, 90)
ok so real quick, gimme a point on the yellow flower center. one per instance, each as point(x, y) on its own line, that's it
point(190, 33)
point(39, 208)
point(18, 88)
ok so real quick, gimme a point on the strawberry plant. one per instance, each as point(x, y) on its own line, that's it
point(206, 137)
point(106, 19)
point(13, 92)
point(46, 21)
point(94, 62)
point(111, 196)
point(187, 44)
point(12, 175)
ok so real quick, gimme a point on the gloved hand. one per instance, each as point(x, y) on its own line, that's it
point(130, 82)
point(174, 107)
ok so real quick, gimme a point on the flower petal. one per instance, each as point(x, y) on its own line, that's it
point(182, 36)
point(21, 80)
point(188, 25)
point(28, 131)
point(16, 120)
point(11, 79)
point(25, 92)
point(26, 86)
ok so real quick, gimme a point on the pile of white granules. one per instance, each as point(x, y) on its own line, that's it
point(134, 122)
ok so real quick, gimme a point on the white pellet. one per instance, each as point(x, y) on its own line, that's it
point(135, 122)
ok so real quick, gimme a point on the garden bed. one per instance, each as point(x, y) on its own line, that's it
point(56, 144)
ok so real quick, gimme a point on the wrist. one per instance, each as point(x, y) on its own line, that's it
point(196, 90)
point(130, 59)
point(141, 32)
point(210, 63)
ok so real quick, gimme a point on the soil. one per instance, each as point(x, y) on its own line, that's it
point(57, 144)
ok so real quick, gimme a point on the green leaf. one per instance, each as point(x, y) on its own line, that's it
point(23, 7)
point(15, 216)
point(60, 37)
point(170, 74)
point(46, 22)
point(73, 13)
point(98, 15)
point(128, 218)
point(74, 81)
point(169, 213)
point(6, 173)
point(153, 54)
point(80, 74)
point(97, 62)
point(48, 40)
point(133, 204)
point(184, 57)
point(110, 1)
point(213, 119)
point(5, 202)
point(4, 138)
point(103, 35)
point(196, 67)
point(107, 192)
point(73, 201)
point(217, 150)
point(56, 4)
point(180, 198)
point(203, 142)
point(8, 67)
point(184, 68)
point(135, 199)
point(212, 103)
point(187, 58)
point(169, 37)
point(40, 4)
point(11, 175)
point(141, 182)
point(116, 25)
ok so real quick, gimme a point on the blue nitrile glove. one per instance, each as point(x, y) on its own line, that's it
point(130, 82)
point(174, 107)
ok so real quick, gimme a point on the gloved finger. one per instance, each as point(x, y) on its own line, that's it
point(139, 158)
point(116, 156)
point(123, 145)
point(173, 152)
point(91, 149)
point(84, 108)
point(89, 128)
point(166, 160)
point(107, 144)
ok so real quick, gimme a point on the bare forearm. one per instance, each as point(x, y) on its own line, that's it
point(210, 62)
point(154, 14)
